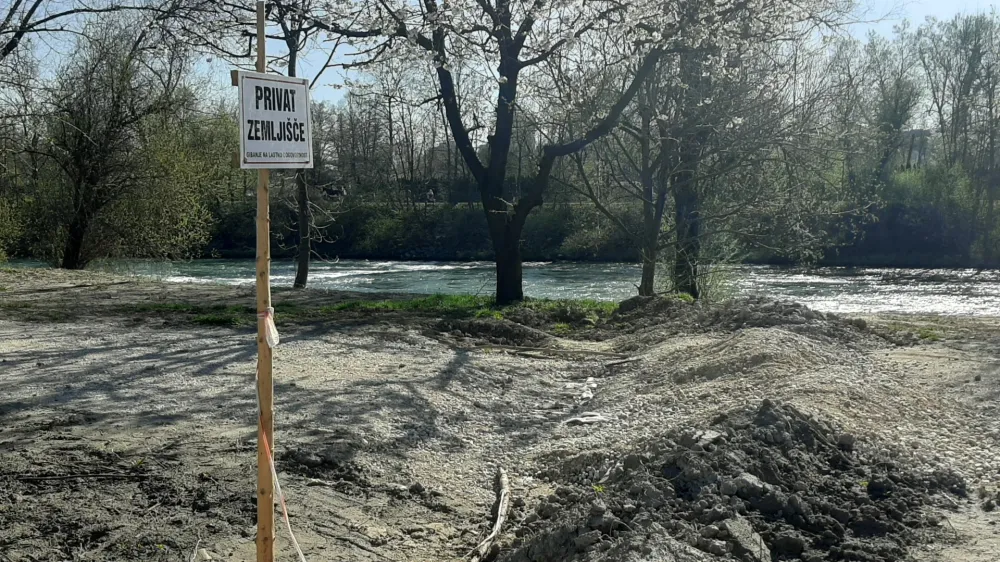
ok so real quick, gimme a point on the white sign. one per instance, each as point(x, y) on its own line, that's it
point(275, 131)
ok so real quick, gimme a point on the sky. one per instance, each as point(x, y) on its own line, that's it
point(892, 12)
point(877, 15)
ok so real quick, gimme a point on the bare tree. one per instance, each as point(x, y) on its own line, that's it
point(118, 79)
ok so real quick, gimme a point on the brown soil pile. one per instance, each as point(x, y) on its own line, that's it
point(760, 485)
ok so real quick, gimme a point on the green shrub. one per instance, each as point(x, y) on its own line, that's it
point(928, 334)
point(488, 313)
point(562, 329)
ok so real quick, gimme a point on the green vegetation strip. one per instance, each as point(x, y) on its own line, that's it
point(449, 306)
point(210, 315)
point(436, 304)
point(928, 334)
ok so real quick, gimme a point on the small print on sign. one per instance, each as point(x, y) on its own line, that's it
point(275, 130)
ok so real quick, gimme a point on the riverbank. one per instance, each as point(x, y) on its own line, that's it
point(661, 427)
point(842, 291)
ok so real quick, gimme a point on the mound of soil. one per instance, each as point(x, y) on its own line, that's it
point(649, 319)
point(745, 351)
point(764, 484)
point(565, 312)
point(495, 331)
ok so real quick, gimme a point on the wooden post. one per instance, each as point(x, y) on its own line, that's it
point(265, 387)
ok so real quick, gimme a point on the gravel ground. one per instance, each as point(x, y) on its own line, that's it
point(132, 436)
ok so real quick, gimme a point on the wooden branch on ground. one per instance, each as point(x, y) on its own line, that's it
point(623, 362)
point(502, 508)
point(194, 555)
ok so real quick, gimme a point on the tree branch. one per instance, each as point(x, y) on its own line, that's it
point(550, 153)
point(592, 195)
point(450, 99)
point(555, 46)
point(526, 24)
point(611, 119)
point(490, 11)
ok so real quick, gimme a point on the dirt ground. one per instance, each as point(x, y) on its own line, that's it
point(669, 432)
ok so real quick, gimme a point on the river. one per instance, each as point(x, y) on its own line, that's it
point(841, 290)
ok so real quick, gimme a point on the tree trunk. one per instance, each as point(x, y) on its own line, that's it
point(688, 244)
point(72, 257)
point(648, 270)
point(509, 273)
point(505, 231)
point(988, 249)
point(305, 222)
point(650, 225)
point(301, 191)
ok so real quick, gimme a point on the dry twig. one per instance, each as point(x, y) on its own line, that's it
point(502, 507)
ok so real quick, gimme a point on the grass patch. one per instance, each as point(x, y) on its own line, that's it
point(489, 313)
point(437, 304)
point(30, 312)
point(210, 315)
point(189, 308)
point(683, 297)
point(598, 308)
point(164, 307)
point(911, 331)
point(894, 327)
point(218, 314)
point(221, 319)
point(565, 315)
point(570, 312)
point(561, 329)
point(928, 334)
